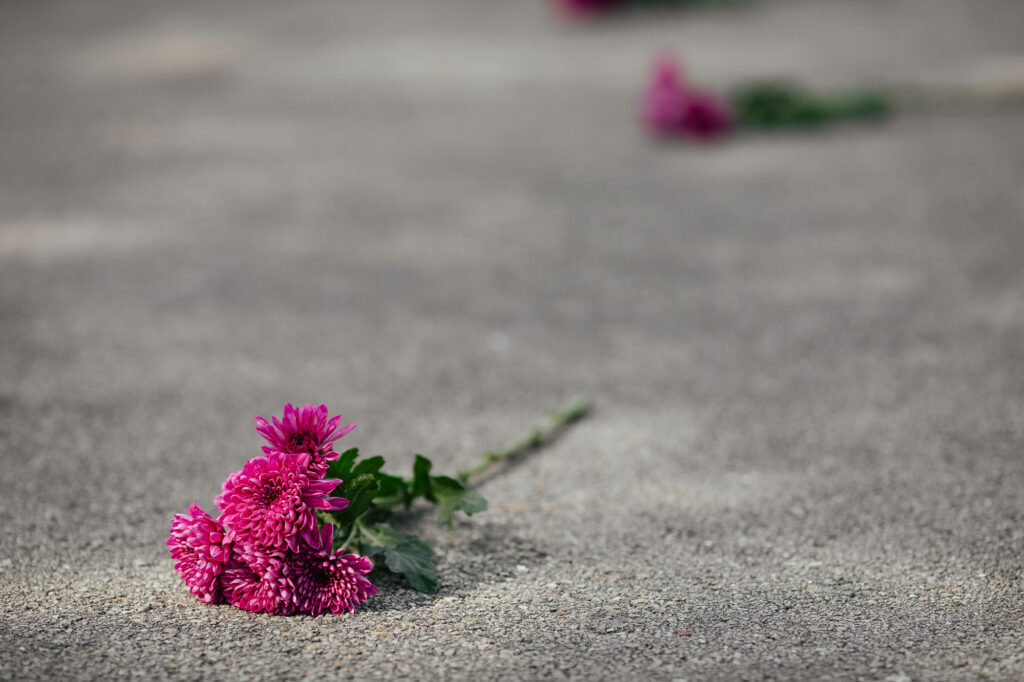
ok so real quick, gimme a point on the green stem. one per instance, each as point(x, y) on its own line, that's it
point(351, 534)
point(542, 434)
point(994, 93)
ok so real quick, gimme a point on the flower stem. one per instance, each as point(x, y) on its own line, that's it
point(541, 435)
point(1005, 92)
point(347, 542)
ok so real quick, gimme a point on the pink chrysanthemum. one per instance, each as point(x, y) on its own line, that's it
point(272, 500)
point(706, 116)
point(200, 551)
point(674, 108)
point(304, 430)
point(255, 581)
point(663, 102)
point(584, 9)
point(328, 581)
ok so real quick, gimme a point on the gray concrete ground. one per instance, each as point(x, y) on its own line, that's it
point(807, 353)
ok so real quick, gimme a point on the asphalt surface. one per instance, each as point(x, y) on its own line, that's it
point(806, 353)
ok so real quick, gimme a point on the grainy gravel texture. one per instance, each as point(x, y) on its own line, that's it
point(806, 353)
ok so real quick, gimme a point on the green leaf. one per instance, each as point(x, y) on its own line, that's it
point(771, 104)
point(360, 486)
point(452, 495)
point(393, 491)
point(342, 467)
point(403, 553)
point(370, 465)
point(359, 491)
point(472, 502)
point(421, 478)
point(860, 105)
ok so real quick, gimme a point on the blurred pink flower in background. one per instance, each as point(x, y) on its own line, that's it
point(663, 102)
point(584, 9)
point(706, 116)
point(671, 107)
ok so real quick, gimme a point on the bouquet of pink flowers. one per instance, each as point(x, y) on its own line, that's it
point(265, 552)
point(299, 524)
point(590, 9)
point(674, 107)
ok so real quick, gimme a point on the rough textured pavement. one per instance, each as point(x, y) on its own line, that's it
point(807, 353)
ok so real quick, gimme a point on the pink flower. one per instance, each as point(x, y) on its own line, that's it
point(200, 551)
point(273, 499)
point(304, 430)
point(706, 116)
point(673, 108)
point(584, 9)
point(313, 580)
point(664, 102)
point(255, 581)
point(325, 580)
